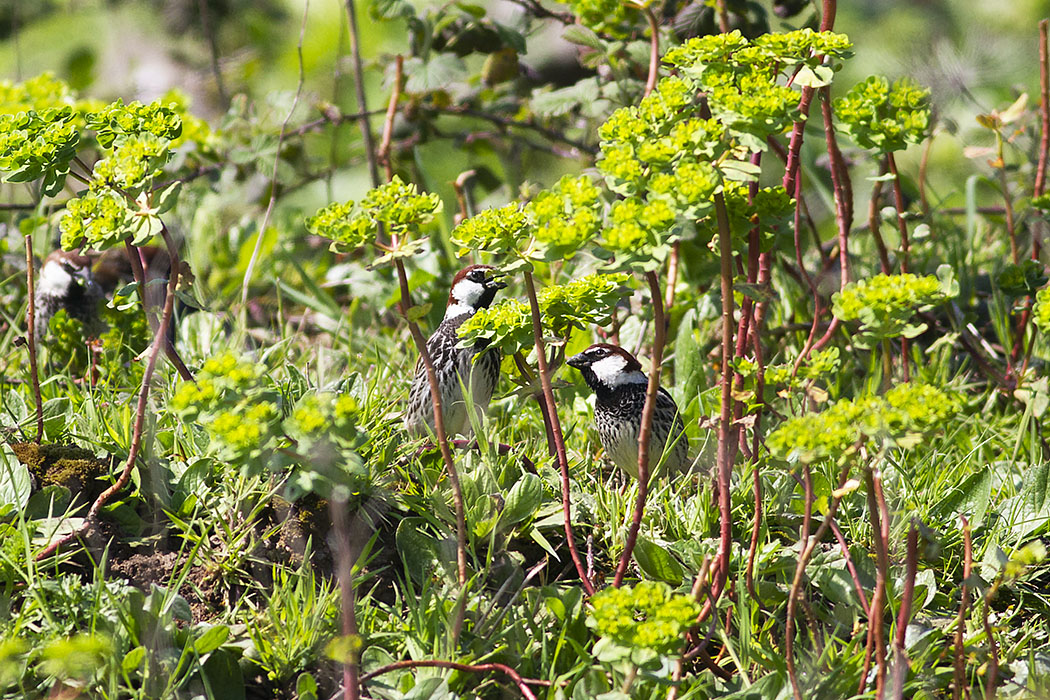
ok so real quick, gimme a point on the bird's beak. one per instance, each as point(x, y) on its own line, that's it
point(577, 361)
point(493, 282)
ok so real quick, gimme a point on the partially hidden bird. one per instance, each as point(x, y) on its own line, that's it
point(477, 367)
point(67, 282)
point(619, 385)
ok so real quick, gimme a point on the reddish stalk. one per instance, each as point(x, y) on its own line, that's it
point(810, 544)
point(880, 532)
point(522, 683)
point(140, 409)
point(654, 51)
point(902, 225)
point(958, 647)
point(672, 275)
point(851, 567)
point(993, 648)
point(347, 595)
point(359, 93)
point(817, 310)
point(901, 664)
point(645, 431)
point(559, 440)
point(874, 221)
point(764, 264)
point(149, 303)
point(842, 187)
point(34, 372)
point(726, 431)
point(1044, 121)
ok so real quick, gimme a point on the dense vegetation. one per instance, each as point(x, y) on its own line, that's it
point(852, 323)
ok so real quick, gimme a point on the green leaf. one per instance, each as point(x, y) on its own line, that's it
point(814, 77)
point(582, 36)
point(524, 498)
point(168, 197)
point(656, 562)
point(1031, 512)
point(133, 660)
point(305, 687)
point(213, 638)
point(224, 676)
point(14, 479)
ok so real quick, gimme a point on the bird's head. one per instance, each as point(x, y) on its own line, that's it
point(607, 366)
point(62, 271)
point(473, 288)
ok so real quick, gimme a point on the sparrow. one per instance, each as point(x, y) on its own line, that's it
point(619, 384)
point(67, 282)
point(477, 367)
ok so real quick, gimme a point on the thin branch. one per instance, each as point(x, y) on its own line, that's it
point(958, 646)
point(843, 189)
point(809, 544)
point(522, 683)
point(505, 122)
point(213, 48)
point(347, 594)
point(359, 92)
point(874, 221)
point(654, 51)
point(901, 664)
point(559, 440)
point(34, 372)
point(276, 162)
point(383, 154)
point(645, 431)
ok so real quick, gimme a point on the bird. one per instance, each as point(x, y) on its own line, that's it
point(67, 282)
point(620, 386)
point(473, 288)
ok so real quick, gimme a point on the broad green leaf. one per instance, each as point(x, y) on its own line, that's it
point(14, 479)
point(523, 499)
point(969, 498)
point(656, 562)
point(212, 638)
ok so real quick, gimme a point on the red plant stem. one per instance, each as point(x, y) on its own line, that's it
point(522, 683)
point(764, 264)
point(138, 271)
point(645, 431)
point(809, 544)
point(851, 567)
point(993, 648)
point(898, 203)
point(672, 274)
point(880, 527)
point(723, 16)
point(901, 664)
point(874, 221)
point(140, 409)
point(726, 433)
point(347, 595)
point(958, 647)
point(1044, 121)
point(817, 311)
point(902, 225)
point(842, 187)
point(793, 593)
point(34, 371)
point(559, 440)
point(654, 51)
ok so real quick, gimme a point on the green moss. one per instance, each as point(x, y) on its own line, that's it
point(73, 467)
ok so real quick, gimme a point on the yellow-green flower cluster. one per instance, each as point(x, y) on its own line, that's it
point(117, 119)
point(635, 224)
point(34, 145)
point(39, 93)
point(98, 218)
point(566, 216)
point(135, 161)
point(494, 230)
point(613, 17)
point(584, 301)
point(401, 207)
point(646, 616)
point(232, 399)
point(1041, 317)
point(906, 410)
point(338, 223)
point(884, 118)
point(315, 416)
point(884, 304)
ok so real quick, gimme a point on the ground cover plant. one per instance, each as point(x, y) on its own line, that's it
point(207, 489)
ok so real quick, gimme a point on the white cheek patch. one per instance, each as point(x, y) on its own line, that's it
point(467, 292)
point(610, 372)
point(54, 279)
